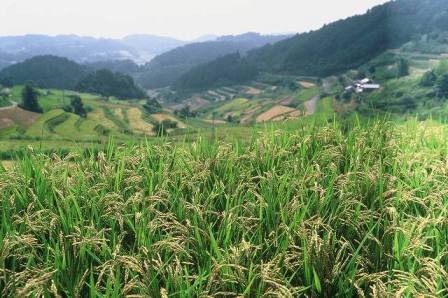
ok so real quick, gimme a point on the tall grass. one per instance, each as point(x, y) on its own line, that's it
point(328, 210)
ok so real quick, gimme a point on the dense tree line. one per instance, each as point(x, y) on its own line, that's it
point(349, 43)
point(30, 96)
point(107, 83)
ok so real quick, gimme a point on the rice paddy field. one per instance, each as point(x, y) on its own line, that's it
point(343, 208)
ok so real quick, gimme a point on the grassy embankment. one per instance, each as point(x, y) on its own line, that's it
point(322, 210)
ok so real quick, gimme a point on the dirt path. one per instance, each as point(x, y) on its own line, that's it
point(13, 105)
point(310, 105)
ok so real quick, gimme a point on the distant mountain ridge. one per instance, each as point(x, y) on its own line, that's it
point(138, 48)
point(166, 68)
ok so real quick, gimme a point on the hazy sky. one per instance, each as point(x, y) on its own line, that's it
point(185, 19)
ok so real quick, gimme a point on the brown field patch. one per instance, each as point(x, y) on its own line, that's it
point(287, 100)
point(296, 114)
point(99, 117)
point(197, 103)
point(16, 115)
point(274, 113)
point(161, 117)
point(252, 91)
point(136, 121)
point(248, 116)
point(306, 84)
point(119, 114)
point(217, 96)
point(7, 164)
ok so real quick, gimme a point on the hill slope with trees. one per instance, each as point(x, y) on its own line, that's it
point(165, 69)
point(107, 83)
point(46, 72)
point(349, 43)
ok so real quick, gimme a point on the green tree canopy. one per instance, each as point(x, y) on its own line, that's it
point(30, 97)
point(78, 106)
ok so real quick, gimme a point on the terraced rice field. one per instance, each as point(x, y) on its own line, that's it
point(136, 121)
point(40, 127)
point(274, 113)
point(98, 116)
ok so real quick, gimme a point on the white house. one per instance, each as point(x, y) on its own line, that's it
point(364, 85)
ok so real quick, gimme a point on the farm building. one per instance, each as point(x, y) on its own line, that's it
point(364, 85)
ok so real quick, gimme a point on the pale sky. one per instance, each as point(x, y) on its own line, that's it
point(183, 19)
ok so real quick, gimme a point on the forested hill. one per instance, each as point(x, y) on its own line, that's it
point(349, 43)
point(166, 68)
point(46, 72)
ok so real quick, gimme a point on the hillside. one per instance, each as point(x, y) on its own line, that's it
point(165, 69)
point(46, 72)
point(349, 43)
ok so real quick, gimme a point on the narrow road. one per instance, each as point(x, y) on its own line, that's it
point(13, 105)
point(310, 105)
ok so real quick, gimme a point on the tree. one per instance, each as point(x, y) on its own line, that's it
point(186, 112)
point(30, 98)
point(442, 86)
point(161, 128)
point(107, 83)
point(152, 106)
point(78, 106)
point(403, 68)
point(428, 79)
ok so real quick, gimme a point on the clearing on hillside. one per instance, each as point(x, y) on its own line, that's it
point(17, 116)
point(306, 84)
point(274, 113)
point(252, 91)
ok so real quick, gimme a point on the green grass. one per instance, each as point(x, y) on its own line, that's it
point(326, 210)
point(50, 99)
point(4, 101)
point(40, 128)
point(324, 108)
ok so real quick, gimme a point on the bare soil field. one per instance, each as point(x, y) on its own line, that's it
point(307, 85)
point(248, 116)
point(287, 100)
point(197, 103)
point(274, 113)
point(16, 115)
point(252, 91)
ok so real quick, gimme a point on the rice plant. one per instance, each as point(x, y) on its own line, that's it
point(323, 211)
